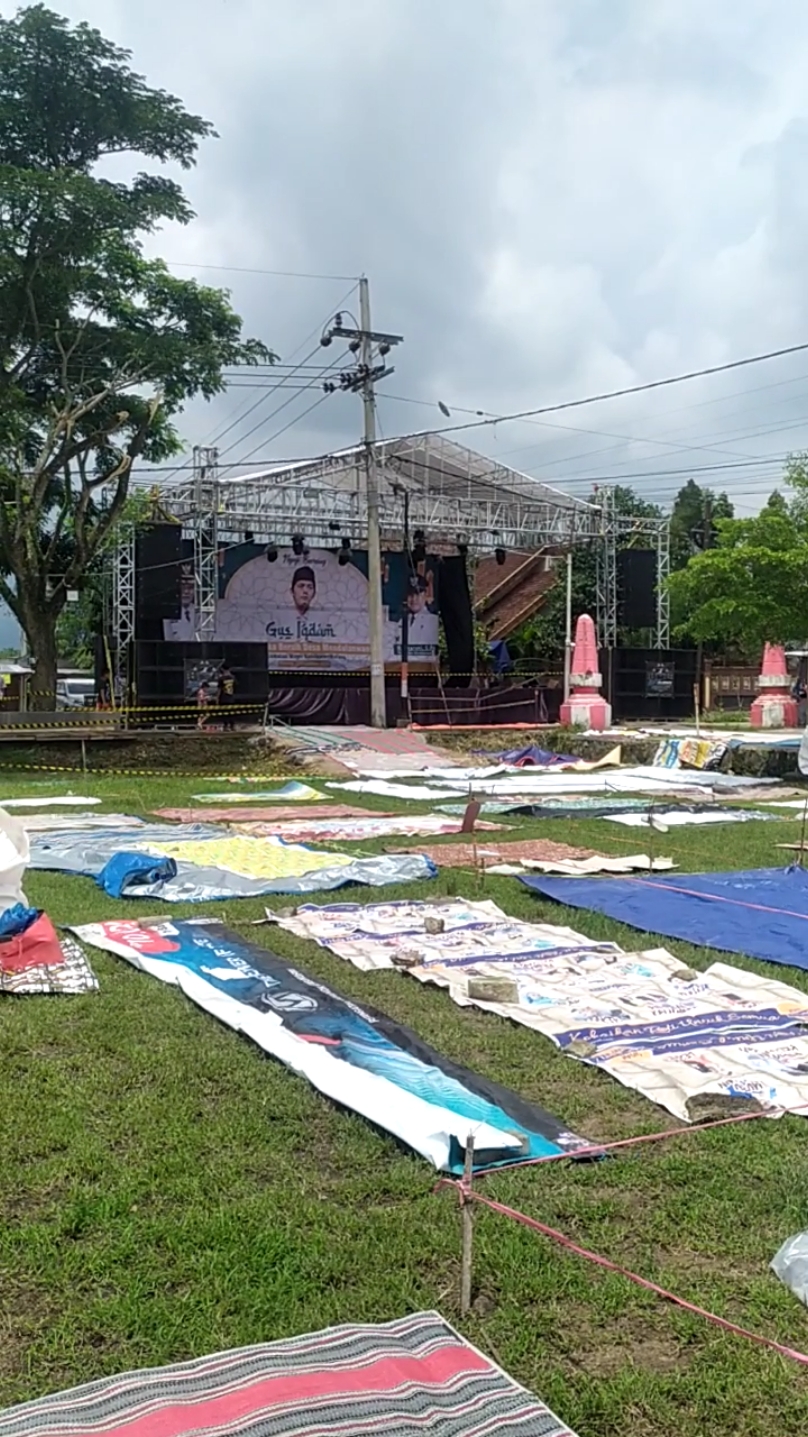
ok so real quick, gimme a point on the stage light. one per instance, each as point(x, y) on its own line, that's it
point(463, 544)
point(344, 555)
point(418, 547)
point(298, 544)
point(248, 536)
point(272, 553)
point(500, 556)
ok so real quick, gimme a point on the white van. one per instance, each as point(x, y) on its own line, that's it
point(75, 693)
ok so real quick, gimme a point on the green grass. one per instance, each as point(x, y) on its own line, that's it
point(166, 1190)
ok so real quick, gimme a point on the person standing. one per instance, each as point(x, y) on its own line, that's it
point(227, 696)
point(202, 704)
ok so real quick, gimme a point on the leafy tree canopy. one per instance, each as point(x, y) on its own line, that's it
point(694, 520)
point(752, 587)
point(100, 347)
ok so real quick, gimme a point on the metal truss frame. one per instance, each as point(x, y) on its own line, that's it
point(206, 541)
point(452, 493)
point(606, 575)
point(123, 606)
point(615, 530)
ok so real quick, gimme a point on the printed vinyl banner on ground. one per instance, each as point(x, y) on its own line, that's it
point(351, 1053)
point(653, 1024)
point(312, 612)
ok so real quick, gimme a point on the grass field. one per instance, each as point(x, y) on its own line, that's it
point(165, 1190)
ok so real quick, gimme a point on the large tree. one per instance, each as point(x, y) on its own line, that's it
point(752, 585)
point(100, 347)
point(694, 517)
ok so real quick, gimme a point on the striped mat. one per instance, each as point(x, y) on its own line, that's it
point(401, 1378)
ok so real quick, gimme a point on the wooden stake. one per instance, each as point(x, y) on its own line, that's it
point(801, 858)
point(467, 1217)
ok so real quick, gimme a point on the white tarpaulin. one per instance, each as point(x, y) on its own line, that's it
point(679, 818)
point(519, 782)
point(292, 792)
point(579, 867)
point(382, 788)
point(656, 1026)
point(68, 800)
point(15, 855)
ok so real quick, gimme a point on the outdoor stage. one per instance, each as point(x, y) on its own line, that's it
point(267, 574)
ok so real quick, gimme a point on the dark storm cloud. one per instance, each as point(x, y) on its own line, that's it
point(549, 199)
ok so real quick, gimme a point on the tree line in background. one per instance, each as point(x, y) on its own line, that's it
point(734, 584)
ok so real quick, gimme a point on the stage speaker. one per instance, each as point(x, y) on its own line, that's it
point(636, 579)
point(454, 605)
point(158, 572)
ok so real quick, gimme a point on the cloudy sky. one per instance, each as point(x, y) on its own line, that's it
point(551, 198)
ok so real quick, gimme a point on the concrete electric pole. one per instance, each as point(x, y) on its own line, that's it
point(366, 344)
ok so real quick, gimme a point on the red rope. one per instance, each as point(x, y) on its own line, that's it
point(469, 1195)
point(598, 1149)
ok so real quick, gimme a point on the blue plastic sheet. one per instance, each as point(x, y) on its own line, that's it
point(760, 912)
point(129, 870)
point(16, 920)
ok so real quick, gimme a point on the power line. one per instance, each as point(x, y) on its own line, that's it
point(250, 409)
point(622, 393)
point(275, 273)
point(327, 369)
point(296, 420)
point(315, 333)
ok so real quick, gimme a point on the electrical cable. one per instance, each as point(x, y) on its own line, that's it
point(623, 393)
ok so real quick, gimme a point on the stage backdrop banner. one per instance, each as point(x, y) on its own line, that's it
point(312, 612)
point(351, 1053)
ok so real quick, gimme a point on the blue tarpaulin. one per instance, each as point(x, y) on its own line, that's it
point(128, 869)
point(762, 912)
point(17, 920)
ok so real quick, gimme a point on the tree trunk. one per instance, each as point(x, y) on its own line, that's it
point(41, 632)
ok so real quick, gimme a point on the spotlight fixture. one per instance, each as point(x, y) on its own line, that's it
point(248, 536)
point(298, 545)
point(418, 546)
point(463, 544)
point(344, 555)
point(272, 553)
point(500, 556)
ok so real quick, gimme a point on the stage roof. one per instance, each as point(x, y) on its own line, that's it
point(452, 491)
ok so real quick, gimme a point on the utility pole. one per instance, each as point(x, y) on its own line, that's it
point(362, 379)
point(568, 630)
point(378, 706)
point(703, 542)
